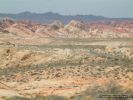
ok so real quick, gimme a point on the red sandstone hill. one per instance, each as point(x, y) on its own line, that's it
point(74, 29)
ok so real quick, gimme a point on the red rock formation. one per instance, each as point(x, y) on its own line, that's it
point(74, 29)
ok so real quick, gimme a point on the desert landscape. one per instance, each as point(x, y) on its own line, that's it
point(73, 61)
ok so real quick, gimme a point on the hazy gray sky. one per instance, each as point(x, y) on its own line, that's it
point(109, 8)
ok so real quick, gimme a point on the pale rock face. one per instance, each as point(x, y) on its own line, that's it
point(75, 29)
point(60, 54)
point(127, 52)
point(75, 23)
point(65, 52)
point(75, 26)
point(56, 25)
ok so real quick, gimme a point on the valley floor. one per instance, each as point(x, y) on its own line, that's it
point(73, 69)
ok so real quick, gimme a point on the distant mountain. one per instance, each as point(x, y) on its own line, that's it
point(49, 17)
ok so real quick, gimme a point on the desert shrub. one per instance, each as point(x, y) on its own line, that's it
point(51, 97)
point(17, 98)
point(54, 97)
point(39, 98)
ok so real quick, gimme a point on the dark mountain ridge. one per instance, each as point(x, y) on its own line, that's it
point(49, 17)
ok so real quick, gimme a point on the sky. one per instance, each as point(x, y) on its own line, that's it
point(107, 8)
